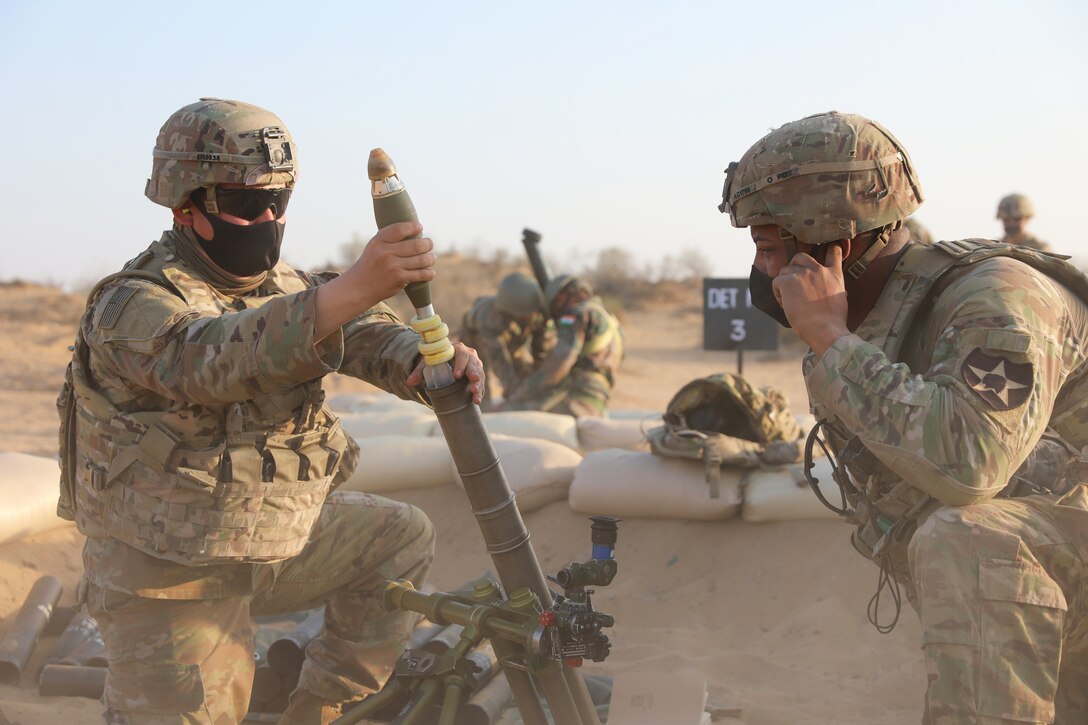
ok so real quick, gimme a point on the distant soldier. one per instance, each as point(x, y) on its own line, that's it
point(578, 375)
point(1015, 211)
point(918, 232)
point(511, 333)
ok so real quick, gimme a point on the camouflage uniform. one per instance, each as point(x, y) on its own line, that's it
point(577, 376)
point(1019, 208)
point(1000, 584)
point(957, 415)
point(198, 458)
point(510, 351)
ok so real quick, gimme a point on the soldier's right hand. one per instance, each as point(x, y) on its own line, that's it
point(391, 261)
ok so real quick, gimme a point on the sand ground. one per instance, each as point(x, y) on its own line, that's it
point(772, 614)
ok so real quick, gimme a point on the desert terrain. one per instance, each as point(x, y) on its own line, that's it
point(772, 614)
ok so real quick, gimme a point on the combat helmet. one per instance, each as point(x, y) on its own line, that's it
point(519, 296)
point(724, 420)
point(561, 282)
point(823, 178)
point(1015, 206)
point(216, 141)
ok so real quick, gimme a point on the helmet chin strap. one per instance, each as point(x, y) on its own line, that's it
point(855, 270)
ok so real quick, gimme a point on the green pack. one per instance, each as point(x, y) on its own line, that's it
point(724, 421)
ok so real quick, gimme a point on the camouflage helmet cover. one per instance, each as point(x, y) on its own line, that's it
point(1015, 206)
point(826, 177)
point(519, 295)
point(215, 141)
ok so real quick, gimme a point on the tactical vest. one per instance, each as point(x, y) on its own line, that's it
point(722, 420)
point(242, 481)
point(890, 508)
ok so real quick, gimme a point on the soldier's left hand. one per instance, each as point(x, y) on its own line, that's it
point(814, 298)
point(465, 362)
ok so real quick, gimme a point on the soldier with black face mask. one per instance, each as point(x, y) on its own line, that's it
point(198, 455)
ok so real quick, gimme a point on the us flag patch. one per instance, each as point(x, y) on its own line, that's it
point(1003, 384)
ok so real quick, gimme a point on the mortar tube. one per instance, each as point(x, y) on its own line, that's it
point(504, 533)
point(393, 204)
point(72, 681)
point(286, 654)
point(531, 241)
point(18, 646)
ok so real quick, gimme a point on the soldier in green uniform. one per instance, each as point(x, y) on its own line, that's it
point(1015, 211)
point(577, 376)
point(199, 457)
point(951, 386)
point(511, 333)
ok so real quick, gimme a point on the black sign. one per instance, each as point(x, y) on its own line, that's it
point(729, 320)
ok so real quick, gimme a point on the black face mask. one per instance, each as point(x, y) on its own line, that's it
point(243, 250)
point(761, 288)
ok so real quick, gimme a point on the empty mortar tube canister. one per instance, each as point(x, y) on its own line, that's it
point(477, 463)
point(18, 646)
point(72, 681)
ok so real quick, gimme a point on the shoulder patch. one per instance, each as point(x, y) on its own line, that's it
point(1003, 384)
point(112, 311)
point(567, 319)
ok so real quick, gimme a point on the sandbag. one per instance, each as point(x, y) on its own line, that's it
point(396, 463)
point(370, 402)
point(553, 427)
point(637, 484)
point(539, 471)
point(595, 434)
point(783, 494)
point(28, 488)
point(395, 422)
point(620, 414)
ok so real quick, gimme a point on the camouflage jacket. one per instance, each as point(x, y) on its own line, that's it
point(587, 354)
point(199, 432)
point(509, 351)
point(972, 354)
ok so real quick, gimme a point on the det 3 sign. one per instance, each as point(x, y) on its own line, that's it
point(730, 322)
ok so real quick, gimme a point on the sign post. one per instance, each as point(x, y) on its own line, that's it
point(730, 322)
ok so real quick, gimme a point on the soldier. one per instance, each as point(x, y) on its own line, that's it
point(577, 376)
point(198, 454)
point(950, 385)
point(1015, 211)
point(510, 331)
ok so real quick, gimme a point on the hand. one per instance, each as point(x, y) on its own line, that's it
point(465, 362)
point(387, 265)
point(814, 298)
point(391, 261)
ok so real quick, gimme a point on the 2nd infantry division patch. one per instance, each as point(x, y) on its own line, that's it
point(1003, 384)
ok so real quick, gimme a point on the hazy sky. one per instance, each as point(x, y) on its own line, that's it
point(597, 123)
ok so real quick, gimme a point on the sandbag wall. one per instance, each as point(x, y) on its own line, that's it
point(601, 465)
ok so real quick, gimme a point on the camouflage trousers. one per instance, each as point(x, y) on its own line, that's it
point(191, 660)
point(1003, 599)
point(583, 397)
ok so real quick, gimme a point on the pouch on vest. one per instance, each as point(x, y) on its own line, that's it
point(724, 421)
